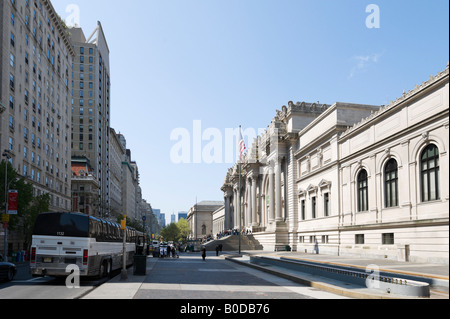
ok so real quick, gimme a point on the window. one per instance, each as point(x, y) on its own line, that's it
point(429, 164)
point(359, 239)
point(11, 82)
point(363, 198)
point(326, 204)
point(11, 122)
point(313, 206)
point(303, 210)
point(388, 239)
point(391, 184)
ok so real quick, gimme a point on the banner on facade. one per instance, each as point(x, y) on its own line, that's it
point(12, 202)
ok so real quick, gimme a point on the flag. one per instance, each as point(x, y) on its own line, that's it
point(241, 144)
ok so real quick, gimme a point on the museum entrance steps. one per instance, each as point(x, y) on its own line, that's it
point(231, 243)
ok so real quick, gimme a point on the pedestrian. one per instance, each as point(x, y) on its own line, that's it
point(203, 253)
point(174, 251)
point(217, 250)
point(168, 250)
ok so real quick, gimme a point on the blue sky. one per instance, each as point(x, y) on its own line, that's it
point(234, 62)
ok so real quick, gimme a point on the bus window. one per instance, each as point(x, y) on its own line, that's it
point(62, 224)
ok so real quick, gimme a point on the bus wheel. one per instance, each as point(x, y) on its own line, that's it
point(108, 268)
point(102, 271)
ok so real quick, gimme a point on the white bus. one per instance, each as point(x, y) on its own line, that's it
point(93, 244)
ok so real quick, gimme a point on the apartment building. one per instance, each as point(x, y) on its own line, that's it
point(35, 96)
point(91, 108)
point(117, 153)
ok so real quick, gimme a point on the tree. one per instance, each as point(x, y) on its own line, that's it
point(28, 207)
point(171, 232)
point(183, 226)
point(176, 232)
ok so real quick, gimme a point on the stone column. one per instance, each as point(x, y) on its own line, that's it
point(236, 209)
point(249, 212)
point(253, 199)
point(278, 203)
point(228, 218)
point(271, 195)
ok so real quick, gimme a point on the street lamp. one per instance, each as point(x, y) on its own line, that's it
point(8, 155)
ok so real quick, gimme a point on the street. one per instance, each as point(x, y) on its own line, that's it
point(187, 277)
point(24, 286)
point(216, 278)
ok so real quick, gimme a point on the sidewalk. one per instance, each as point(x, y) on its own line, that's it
point(435, 274)
point(117, 289)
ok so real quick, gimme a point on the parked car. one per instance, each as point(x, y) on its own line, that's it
point(7, 270)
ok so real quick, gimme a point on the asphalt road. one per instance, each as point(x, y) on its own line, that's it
point(216, 278)
point(24, 286)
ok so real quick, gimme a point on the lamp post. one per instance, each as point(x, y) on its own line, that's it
point(7, 154)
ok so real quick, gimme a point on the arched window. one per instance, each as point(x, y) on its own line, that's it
point(391, 183)
point(429, 167)
point(363, 196)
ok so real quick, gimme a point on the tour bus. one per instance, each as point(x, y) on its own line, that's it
point(93, 244)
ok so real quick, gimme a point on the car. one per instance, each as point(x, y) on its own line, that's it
point(7, 270)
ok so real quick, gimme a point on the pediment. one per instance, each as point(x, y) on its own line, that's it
point(325, 184)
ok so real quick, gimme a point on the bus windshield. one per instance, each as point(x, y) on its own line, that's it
point(62, 224)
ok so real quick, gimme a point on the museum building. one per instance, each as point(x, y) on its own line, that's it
point(350, 179)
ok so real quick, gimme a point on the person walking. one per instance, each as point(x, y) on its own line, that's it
point(203, 253)
point(217, 250)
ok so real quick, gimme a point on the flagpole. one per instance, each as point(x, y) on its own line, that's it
point(240, 219)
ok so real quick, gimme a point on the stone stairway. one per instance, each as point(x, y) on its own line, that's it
point(231, 243)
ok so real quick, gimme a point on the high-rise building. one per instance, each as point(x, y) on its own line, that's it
point(91, 107)
point(117, 153)
point(35, 97)
point(182, 215)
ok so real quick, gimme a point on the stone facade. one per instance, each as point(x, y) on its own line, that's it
point(35, 96)
point(35, 100)
point(200, 218)
point(350, 179)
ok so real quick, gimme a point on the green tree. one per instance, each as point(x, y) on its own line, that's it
point(171, 232)
point(184, 229)
point(28, 207)
point(176, 232)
